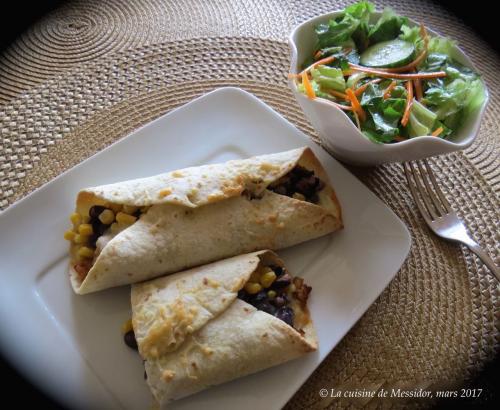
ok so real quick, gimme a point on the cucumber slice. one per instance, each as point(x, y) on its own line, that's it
point(392, 53)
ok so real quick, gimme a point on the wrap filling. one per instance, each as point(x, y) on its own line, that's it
point(271, 289)
point(92, 231)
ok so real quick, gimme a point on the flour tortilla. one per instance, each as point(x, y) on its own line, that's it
point(199, 215)
point(193, 332)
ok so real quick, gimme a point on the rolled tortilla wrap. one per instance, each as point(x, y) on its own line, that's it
point(193, 330)
point(201, 214)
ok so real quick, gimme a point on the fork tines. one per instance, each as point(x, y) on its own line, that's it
point(428, 196)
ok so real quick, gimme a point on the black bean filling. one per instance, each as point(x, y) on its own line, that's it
point(299, 180)
point(97, 226)
point(277, 305)
point(129, 339)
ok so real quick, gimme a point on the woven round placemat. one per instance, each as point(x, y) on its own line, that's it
point(127, 63)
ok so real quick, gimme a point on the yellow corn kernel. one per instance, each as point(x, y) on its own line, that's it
point(79, 239)
point(75, 218)
point(85, 252)
point(253, 288)
point(255, 277)
point(85, 230)
point(127, 326)
point(85, 219)
point(129, 209)
point(267, 278)
point(69, 235)
point(78, 257)
point(107, 217)
point(115, 207)
point(299, 196)
point(115, 228)
point(126, 219)
point(271, 294)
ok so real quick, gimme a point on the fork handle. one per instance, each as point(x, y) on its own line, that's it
point(485, 258)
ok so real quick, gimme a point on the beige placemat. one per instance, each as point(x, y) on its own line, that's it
point(92, 72)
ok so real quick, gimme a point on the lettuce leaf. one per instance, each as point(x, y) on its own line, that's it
point(352, 24)
point(387, 27)
point(336, 32)
point(446, 131)
point(317, 90)
point(374, 133)
point(435, 62)
point(441, 45)
point(372, 96)
point(412, 35)
point(421, 122)
point(329, 77)
point(360, 10)
point(455, 95)
point(384, 115)
point(424, 115)
point(393, 109)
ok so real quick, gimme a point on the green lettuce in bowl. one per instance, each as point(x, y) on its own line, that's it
point(392, 78)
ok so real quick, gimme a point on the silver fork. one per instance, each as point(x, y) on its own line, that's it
point(437, 211)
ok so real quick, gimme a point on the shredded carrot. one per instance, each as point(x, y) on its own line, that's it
point(323, 61)
point(437, 131)
point(397, 76)
point(425, 37)
point(356, 106)
point(417, 85)
point(409, 100)
point(356, 117)
point(342, 107)
point(308, 86)
point(326, 60)
point(360, 90)
point(418, 88)
point(388, 90)
point(337, 94)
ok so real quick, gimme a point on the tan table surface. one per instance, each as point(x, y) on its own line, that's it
point(92, 71)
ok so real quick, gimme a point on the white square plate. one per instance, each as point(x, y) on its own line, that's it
point(71, 346)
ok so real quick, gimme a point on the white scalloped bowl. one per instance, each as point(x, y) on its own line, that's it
point(341, 136)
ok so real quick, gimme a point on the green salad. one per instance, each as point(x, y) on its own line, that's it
point(392, 79)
